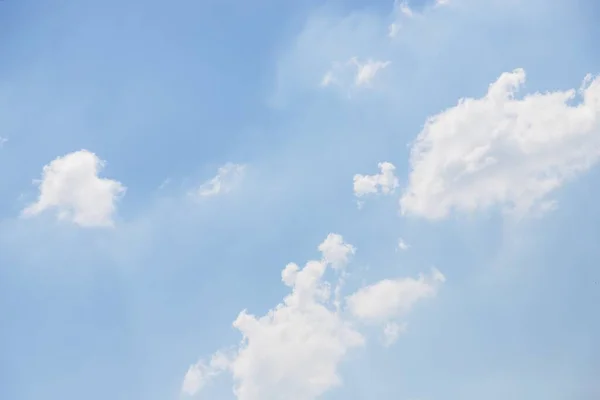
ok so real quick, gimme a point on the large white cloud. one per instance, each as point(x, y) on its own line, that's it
point(502, 150)
point(294, 351)
point(71, 186)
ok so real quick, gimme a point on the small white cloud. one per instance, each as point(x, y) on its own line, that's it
point(327, 79)
point(353, 73)
point(402, 245)
point(384, 182)
point(392, 298)
point(366, 71)
point(294, 351)
point(499, 150)
point(391, 332)
point(228, 176)
point(71, 185)
point(335, 251)
point(3, 140)
point(393, 29)
point(403, 12)
point(404, 9)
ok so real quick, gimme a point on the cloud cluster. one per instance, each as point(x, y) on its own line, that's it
point(294, 351)
point(402, 12)
point(402, 245)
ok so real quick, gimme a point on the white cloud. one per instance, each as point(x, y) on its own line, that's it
point(366, 71)
point(391, 332)
point(393, 29)
point(294, 351)
point(71, 185)
point(353, 73)
point(384, 182)
point(328, 79)
point(403, 8)
point(392, 298)
point(501, 150)
point(402, 11)
point(228, 176)
point(2, 141)
point(402, 245)
point(335, 251)
point(200, 374)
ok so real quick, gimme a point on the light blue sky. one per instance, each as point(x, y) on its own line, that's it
point(168, 93)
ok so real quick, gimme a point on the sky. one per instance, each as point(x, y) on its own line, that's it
point(269, 200)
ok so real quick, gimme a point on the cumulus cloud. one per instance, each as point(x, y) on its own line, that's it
point(499, 150)
point(228, 176)
point(71, 186)
point(384, 182)
point(353, 73)
point(294, 351)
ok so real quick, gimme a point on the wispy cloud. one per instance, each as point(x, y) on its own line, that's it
point(353, 73)
point(227, 178)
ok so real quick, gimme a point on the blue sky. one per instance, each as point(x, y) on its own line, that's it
point(193, 150)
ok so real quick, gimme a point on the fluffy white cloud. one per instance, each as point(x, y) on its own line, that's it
point(335, 251)
point(367, 71)
point(353, 73)
point(2, 141)
point(228, 176)
point(391, 298)
point(294, 351)
point(71, 185)
point(502, 150)
point(384, 182)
